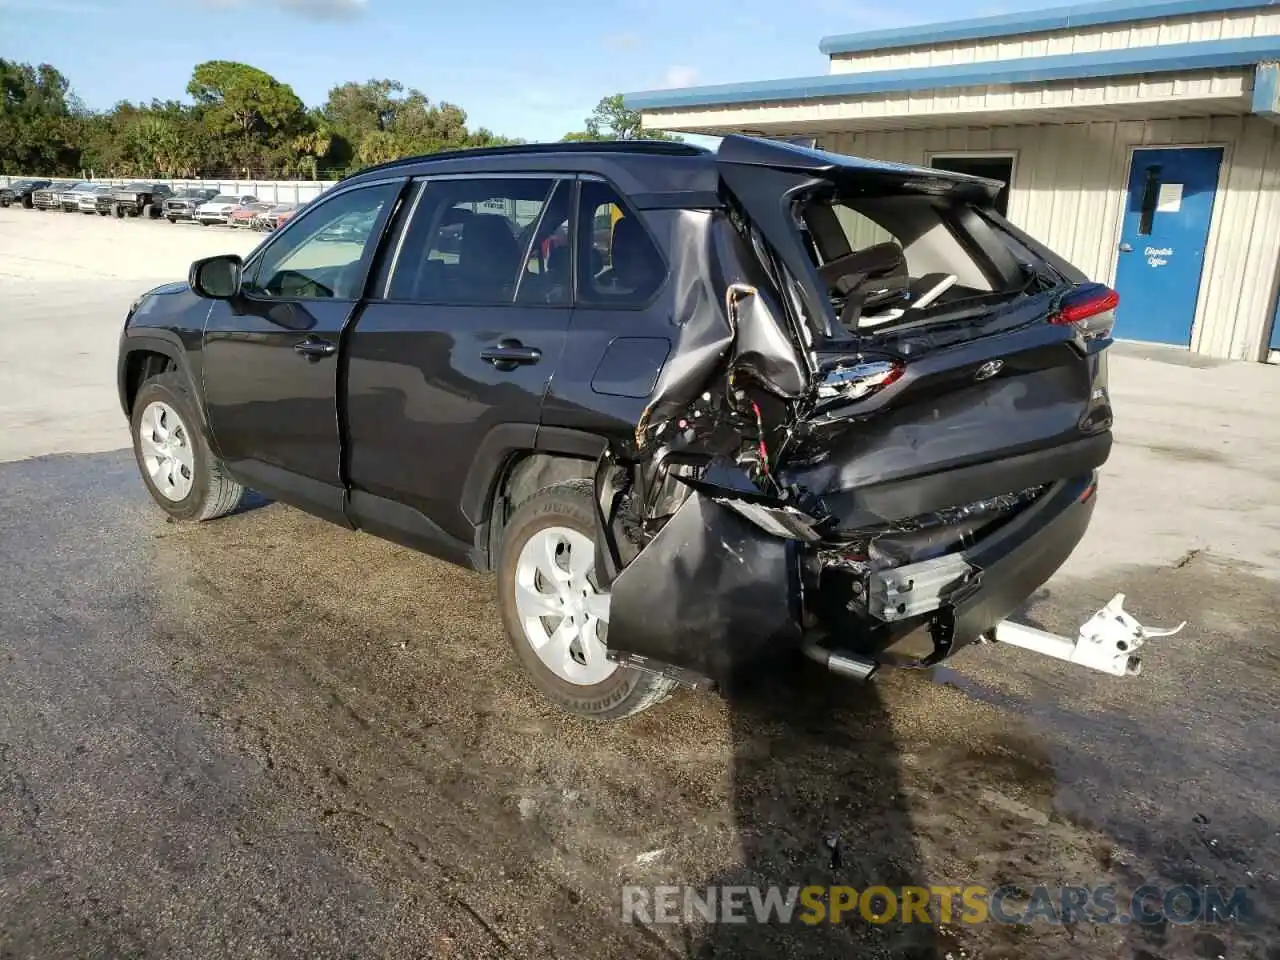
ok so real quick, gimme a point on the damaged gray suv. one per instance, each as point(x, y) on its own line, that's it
point(697, 410)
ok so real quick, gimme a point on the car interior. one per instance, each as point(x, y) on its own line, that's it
point(888, 258)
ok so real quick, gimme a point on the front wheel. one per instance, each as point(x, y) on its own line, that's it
point(555, 616)
point(180, 471)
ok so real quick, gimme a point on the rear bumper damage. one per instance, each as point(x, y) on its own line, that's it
point(730, 584)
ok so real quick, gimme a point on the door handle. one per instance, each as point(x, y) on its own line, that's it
point(313, 348)
point(1126, 248)
point(508, 354)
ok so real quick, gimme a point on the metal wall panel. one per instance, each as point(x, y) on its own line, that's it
point(1212, 26)
point(1069, 190)
point(1195, 93)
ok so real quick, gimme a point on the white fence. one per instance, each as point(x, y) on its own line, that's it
point(276, 191)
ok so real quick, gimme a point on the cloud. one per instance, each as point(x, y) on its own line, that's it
point(307, 9)
point(679, 76)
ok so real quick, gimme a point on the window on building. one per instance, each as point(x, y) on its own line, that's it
point(992, 167)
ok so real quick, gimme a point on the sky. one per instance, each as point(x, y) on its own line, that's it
point(522, 69)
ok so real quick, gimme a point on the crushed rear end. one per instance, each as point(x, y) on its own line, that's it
point(876, 445)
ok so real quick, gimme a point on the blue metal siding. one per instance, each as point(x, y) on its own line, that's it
point(1204, 55)
point(1039, 21)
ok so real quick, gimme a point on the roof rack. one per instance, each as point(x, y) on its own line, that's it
point(668, 148)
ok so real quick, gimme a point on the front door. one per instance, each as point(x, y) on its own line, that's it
point(454, 351)
point(271, 354)
point(1162, 243)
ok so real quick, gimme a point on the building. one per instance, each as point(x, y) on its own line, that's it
point(1141, 140)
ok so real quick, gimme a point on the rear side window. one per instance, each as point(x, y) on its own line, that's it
point(483, 241)
point(618, 263)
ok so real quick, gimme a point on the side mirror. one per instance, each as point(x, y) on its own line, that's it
point(216, 278)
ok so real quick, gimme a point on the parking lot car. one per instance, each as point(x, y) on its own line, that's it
point(182, 205)
point(220, 207)
point(244, 216)
point(71, 196)
point(282, 214)
point(88, 200)
point(763, 400)
point(50, 197)
point(20, 192)
point(137, 199)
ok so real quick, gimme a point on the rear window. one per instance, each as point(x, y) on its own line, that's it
point(907, 256)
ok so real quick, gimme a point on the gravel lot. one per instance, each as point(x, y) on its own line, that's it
point(268, 737)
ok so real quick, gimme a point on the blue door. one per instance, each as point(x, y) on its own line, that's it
point(1166, 228)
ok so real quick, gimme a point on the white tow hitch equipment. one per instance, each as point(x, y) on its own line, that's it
point(1109, 640)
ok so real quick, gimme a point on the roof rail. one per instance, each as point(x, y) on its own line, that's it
point(669, 148)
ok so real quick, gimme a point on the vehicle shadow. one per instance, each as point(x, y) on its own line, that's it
point(817, 800)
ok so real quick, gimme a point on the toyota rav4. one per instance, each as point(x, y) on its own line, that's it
point(695, 409)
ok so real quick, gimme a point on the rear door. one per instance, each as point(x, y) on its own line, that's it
point(270, 357)
point(454, 353)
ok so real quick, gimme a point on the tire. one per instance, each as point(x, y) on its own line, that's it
point(208, 492)
point(102, 213)
point(131, 211)
point(586, 685)
point(119, 212)
point(4, 202)
point(172, 219)
point(27, 202)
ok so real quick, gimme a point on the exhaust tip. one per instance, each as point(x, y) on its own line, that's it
point(844, 663)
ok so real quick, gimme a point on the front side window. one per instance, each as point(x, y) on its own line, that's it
point(480, 240)
point(618, 264)
point(326, 254)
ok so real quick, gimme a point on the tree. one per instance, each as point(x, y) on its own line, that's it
point(611, 120)
point(241, 119)
point(235, 98)
point(35, 119)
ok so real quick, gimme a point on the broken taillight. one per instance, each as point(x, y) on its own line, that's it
point(857, 379)
point(1090, 308)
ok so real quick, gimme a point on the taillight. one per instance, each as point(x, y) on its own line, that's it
point(855, 379)
point(1091, 308)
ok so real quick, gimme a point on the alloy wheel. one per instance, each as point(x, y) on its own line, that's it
point(564, 616)
point(165, 444)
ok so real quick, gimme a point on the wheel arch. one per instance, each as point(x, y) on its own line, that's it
point(514, 462)
point(142, 357)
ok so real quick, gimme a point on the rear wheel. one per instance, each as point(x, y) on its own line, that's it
point(4, 202)
point(180, 471)
point(556, 618)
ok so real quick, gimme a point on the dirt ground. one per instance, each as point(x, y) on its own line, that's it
point(265, 736)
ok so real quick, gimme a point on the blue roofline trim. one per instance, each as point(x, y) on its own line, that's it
point(1205, 55)
point(1038, 21)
